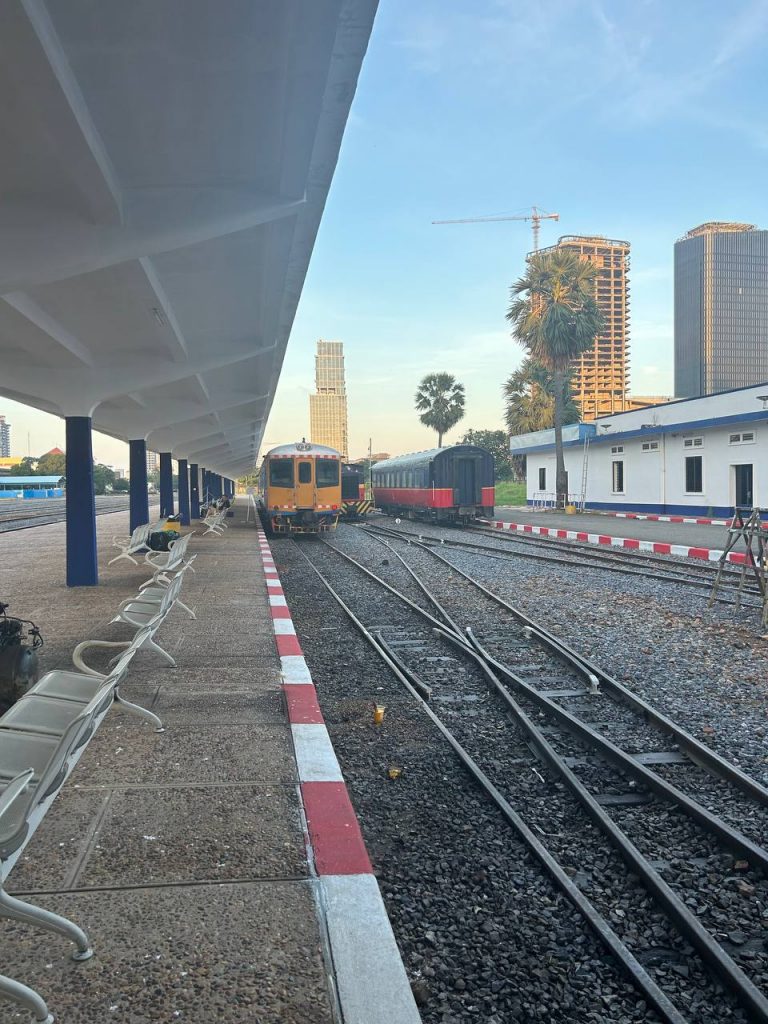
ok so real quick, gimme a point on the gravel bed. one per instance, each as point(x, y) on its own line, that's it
point(462, 699)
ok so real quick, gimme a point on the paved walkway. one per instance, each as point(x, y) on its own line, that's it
point(182, 853)
point(639, 529)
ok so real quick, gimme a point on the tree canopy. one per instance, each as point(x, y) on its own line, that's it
point(497, 443)
point(529, 400)
point(555, 317)
point(440, 400)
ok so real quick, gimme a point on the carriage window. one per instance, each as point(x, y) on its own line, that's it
point(305, 472)
point(327, 472)
point(281, 473)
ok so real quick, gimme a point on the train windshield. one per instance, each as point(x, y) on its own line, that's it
point(281, 473)
point(326, 472)
point(305, 472)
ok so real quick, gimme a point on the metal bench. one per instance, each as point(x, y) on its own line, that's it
point(216, 523)
point(146, 607)
point(133, 545)
point(172, 560)
point(42, 737)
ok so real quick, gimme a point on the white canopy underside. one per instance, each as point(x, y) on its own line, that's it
point(164, 168)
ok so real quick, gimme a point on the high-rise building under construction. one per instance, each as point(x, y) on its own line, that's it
point(328, 406)
point(600, 378)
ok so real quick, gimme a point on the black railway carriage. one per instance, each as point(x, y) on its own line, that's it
point(454, 484)
point(354, 502)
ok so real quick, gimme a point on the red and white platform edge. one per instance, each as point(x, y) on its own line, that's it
point(372, 984)
point(655, 546)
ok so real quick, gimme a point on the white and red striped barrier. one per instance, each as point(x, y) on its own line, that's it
point(655, 546)
point(372, 984)
point(652, 518)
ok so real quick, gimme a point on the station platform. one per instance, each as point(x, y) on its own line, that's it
point(191, 856)
point(698, 536)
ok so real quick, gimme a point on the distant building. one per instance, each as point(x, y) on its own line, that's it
point(328, 406)
point(721, 308)
point(153, 462)
point(55, 451)
point(5, 438)
point(7, 462)
point(600, 376)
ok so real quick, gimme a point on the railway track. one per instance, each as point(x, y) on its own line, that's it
point(585, 773)
point(699, 577)
point(48, 511)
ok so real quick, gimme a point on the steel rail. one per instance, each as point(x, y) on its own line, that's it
point(612, 753)
point(709, 949)
point(595, 920)
point(687, 923)
point(565, 560)
point(702, 755)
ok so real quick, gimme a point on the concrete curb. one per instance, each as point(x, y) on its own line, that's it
point(654, 546)
point(651, 518)
point(372, 984)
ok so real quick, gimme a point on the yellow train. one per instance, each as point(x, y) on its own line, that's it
point(300, 488)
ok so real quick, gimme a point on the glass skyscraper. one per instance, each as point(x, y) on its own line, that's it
point(721, 309)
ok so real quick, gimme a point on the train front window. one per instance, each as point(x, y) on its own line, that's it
point(327, 473)
point(305, 472)
point(281, 473)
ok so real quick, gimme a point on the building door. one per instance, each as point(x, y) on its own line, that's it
point(743, 486)
point(466, 488)
point(305, 491)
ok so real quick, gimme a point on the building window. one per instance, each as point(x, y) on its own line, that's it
point(542, 478)
point(693, 442)
point(650, 446)
point(694, 474)
point(618, 449)
point(747, 437)
point(618, 477)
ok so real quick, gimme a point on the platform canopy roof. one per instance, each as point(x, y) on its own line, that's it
point(164, 168)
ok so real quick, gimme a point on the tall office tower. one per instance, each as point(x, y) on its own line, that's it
point(5, 439)
point(328, 406)
point(721, 309)
point(600, 377)
point(153, 461)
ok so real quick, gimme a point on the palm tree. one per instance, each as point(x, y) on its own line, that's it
point(555, 317)
point(530, 402)
point(440, 399)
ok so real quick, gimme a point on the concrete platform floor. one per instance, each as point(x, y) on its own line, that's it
point(639, 529)
point(181, 853)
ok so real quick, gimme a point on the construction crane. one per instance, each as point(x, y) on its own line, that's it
point(536, 216)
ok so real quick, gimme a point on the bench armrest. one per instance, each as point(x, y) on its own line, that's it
point(77, 654)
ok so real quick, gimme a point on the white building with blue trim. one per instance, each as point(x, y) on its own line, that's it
point(697, 456)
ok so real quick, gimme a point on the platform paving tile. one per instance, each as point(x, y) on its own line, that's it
point(226, 707)
point(188, 753)
point(205, 954)
point(196, 834)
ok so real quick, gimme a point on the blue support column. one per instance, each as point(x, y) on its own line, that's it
point(216, 485)
point(194, 491)
point(183, 492)
point(139, 499)
point(166, 484)
point(204, 485)
point(82, 561)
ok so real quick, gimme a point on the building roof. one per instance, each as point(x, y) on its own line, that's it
point(686, 414)
point(718, 227)
point(31, 481)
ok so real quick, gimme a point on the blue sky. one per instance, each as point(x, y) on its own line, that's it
point(636, 119)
